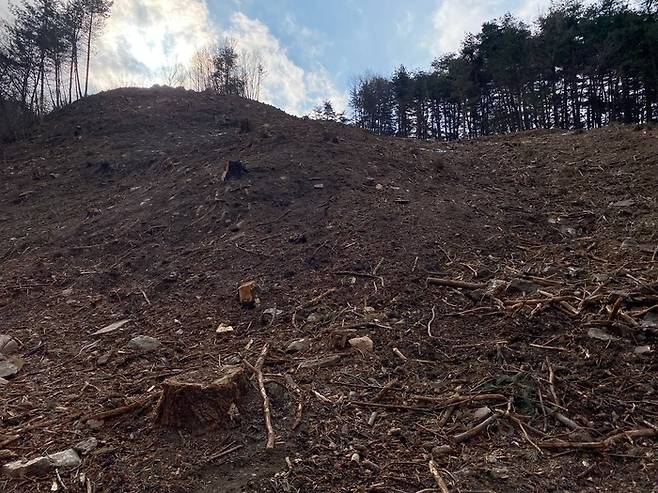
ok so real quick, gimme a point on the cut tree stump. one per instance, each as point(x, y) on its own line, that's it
point(194, 406)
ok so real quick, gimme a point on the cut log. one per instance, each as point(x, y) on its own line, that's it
point(198, 406)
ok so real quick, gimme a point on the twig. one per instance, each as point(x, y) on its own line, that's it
point(437, 281)
point(462, 437)
point(602, 444)
point(429, 324)
point(119, 411)
point(224, 452)
point(440, 483)
point(380, 395)
point(292, 385)
point(551, 381)
point(258, 368)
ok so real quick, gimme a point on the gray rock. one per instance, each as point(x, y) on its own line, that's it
point(144, 343)
point(298, 345)
point(629, 244)
point(67, 459)
point(8, 345)
point(313, 318)
point(86, 446)
point(600, 334)
point(364, 343)
point(642, 350)
point(10, 366)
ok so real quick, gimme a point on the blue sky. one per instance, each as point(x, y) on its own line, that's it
point(312, 49)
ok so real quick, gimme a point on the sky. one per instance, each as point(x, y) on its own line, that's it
point(312, 49)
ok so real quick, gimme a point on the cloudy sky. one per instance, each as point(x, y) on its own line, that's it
point(312, 48)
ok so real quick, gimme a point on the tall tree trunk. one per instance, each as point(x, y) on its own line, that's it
point(91, 25)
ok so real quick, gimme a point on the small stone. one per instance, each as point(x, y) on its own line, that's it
point(298, 345)
point(95, 424)
point(313, 318)
point(362, 343)
point(441, 450)
point(379, 186)
point(482, 413)
point(642, 350)
point(602, 335)
point(522, 286)
point(144, 343)
point(8, 345)
point(623, 203)
point(67, 459)
point(318, 186)
point(629, 244)
point(270, 315)
point(355, 457)
point(86, 446)
point(10, 366)
point(224, 329)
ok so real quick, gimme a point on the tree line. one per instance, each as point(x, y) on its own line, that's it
point(45, 52)
point(580, 67)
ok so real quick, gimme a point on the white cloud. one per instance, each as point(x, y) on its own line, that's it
point(454, 19)
point(286, 84)
point(144, 38)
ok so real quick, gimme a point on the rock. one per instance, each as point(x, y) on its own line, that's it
point(623, 203)
point(318, 186)
point(269, 315)
point(521, 286)
point(482, 413)
point(642, 350)
point(224, 329)
point(364, 344)
point(247, 293)
point(313, 318)
point(86, 446)
point(67, 459)
point(144, 343)
point(111, 327)
point(355, 457)
point(629, 244)
point(8, 345)
point(441, 450)
point(10, 366)
point(298, 345)
point(379, 186)
point(602, 335)
point(321, 362)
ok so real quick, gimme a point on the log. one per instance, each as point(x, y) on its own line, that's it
point(201, 406)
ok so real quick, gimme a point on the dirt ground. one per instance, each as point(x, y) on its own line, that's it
point(537, 373)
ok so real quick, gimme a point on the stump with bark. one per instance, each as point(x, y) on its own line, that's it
point(198, 406)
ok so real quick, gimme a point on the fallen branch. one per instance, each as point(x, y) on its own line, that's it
point(258, 369)
point(119, 411)
point(437, 281)
point(462, 437)
point(599, 445)
point(440, 483)
point(292, 385)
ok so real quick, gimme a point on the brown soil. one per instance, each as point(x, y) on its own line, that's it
point(131, 220)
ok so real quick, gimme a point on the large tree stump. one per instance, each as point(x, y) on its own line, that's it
point(194, 406)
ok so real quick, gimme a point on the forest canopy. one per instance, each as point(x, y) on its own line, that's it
point(579, 67)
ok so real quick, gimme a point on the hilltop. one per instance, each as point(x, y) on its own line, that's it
point(116, 208)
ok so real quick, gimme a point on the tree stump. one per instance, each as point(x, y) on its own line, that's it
point(195, 406)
